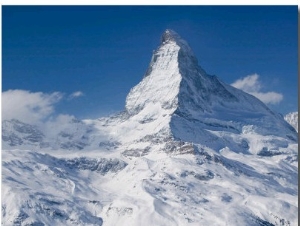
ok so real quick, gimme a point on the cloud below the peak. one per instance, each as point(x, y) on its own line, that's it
point(251, 84)
point(33, 107)
point(26, 106)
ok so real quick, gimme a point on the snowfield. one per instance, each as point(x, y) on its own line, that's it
point(187, 150)
point(207, 187)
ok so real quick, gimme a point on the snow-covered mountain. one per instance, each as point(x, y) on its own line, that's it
point(292, 119)
point(187, 150)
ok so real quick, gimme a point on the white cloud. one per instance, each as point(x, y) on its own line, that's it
point(248, 84)
point(27, 106)
point(269, 97)
point(56, 124)
point(37, 108)
point(76, 94)
point(251, 84)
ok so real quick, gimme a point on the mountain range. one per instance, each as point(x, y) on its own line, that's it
point(187, 150)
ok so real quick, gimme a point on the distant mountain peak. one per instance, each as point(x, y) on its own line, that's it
point(292, 119)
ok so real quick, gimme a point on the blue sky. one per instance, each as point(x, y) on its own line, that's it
point(92, 55)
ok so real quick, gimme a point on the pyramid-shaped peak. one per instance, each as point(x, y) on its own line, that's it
point(169, 35)
point(175, 85)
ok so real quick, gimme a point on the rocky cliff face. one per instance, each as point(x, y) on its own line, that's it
point(16, 133)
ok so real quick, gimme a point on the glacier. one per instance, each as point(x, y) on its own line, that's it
point(187, 150)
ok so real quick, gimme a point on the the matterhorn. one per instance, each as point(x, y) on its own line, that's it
point(187, 150)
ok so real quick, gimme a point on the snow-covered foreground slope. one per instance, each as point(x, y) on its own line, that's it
point(188, 150)
point(206, 188)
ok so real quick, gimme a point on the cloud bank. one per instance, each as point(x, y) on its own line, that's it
point(27, 106)
point(251, 84)
point(34, 107)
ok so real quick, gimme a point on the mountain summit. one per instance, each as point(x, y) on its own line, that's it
point(177, 88)
point(169, 35)
point(187, 150)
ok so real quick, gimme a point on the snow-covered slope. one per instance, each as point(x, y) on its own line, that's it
point(292, 119)
point(188, 150)
point(72, 135)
